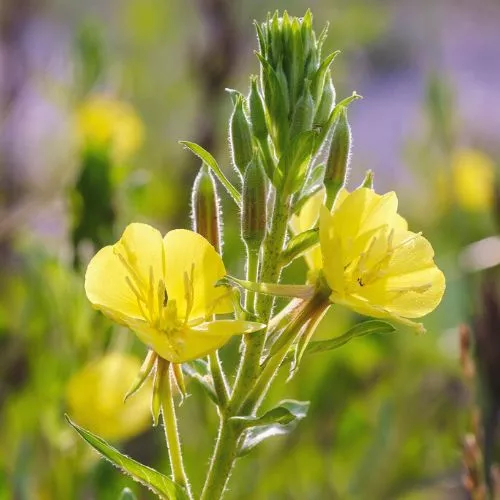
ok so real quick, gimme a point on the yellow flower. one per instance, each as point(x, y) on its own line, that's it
point(306, 219)
point(373, 264)
point(473, 180)
point(95, 398)
point(163, 289)
point(103, 122)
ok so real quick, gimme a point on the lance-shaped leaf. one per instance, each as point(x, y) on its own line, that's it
point(299, 244)
point(162, 485)
point(209, 160)
point(360, 330)
point(279, 421)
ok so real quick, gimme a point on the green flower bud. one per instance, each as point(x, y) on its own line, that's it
point(206, 209)
point(326, 104)
point(254, 209)
point(303, 115)
point(240, 137)
point(337, 165)
point(257, 112)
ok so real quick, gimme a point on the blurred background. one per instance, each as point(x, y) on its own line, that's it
point(94, 97)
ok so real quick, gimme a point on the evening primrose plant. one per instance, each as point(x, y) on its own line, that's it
point(290, 146)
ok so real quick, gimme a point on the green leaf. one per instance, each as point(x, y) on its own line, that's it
point(360, 330)
point(299, 244)
point(127, 494)
point(163, 486)
point(279, 421)
point(210, 161)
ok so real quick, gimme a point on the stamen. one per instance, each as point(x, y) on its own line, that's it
point(139, 297)
point(130, 269)
point(162, 299)
point(189, 292)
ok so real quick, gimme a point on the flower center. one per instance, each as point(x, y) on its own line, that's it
point(151, 294)
point(373, 265)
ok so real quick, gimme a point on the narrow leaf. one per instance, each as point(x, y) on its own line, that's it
point(360, 330)
point(279, 421)
point(158, 483)
point(209, 160)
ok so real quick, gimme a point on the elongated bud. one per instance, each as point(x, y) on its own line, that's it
point(326, 103)
point(304, 112)
point(337, 165)
point(240, 137)
point(161, 377)
point(206, 210)
point(257, 112)
point(254, 210)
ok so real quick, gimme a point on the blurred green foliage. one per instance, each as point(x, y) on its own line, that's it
point(387, 413)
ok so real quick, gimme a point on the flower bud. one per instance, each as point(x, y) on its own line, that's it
point(254, 209)
point(325, 105)
point(206, 210)
point(257, 112)
point(337, 165)
point(240, 137)
point(303, 115)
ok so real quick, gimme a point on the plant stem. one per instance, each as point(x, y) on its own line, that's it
point(172, 435)
point(222, 462)
point(269, 272)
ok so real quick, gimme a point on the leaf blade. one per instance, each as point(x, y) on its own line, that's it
point(162, 485)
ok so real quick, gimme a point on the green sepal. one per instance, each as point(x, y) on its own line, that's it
point(206, 157)
point(161, 485)
point(368, 180)
point(279, 421)
point(257, 112)
point(303, 115)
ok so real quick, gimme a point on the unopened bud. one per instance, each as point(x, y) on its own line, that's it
point(240, 137)
point(206, 210)
point(254, 209)
point(304, 112)
point(326, 103)
point(257, 112)
point(337, 165)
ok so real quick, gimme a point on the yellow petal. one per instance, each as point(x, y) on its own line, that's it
point(95, 398)
point(308, 214)
point(189, 255)
point(331, 250)
point(189, 343)
point(107, 289)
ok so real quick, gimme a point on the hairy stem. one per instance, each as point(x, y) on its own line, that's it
point(172, 434)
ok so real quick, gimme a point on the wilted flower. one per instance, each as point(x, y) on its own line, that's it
point(164, 290)
point(95, 397)
point(373, 263)
point(104, 122)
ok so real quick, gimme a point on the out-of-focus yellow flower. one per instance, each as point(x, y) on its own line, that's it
point(105, 122)
point(473, 180)
point(164, 290)
point(373, 264)
point(95, 397)
point(306, 219)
